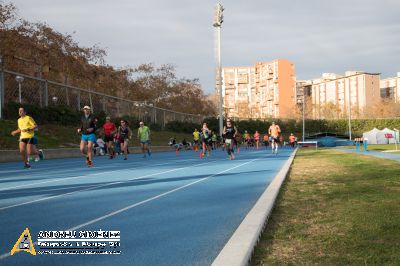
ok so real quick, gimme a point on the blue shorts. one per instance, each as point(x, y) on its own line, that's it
point(89, 137)
point(144, 142)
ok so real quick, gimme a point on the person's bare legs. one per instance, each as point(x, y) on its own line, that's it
point(22, 151)
point(90, 150)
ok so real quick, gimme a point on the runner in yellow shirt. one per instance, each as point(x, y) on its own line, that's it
point(26, 126)
point(196, 137)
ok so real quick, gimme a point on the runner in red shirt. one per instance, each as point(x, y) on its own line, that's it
point(257, 138)
point(109, 129)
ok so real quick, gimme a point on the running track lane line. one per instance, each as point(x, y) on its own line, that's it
point(96, 186)
point(74, 177)
point(5, 255)
point(66, 164)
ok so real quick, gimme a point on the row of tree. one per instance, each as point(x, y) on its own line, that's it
point(37, 49)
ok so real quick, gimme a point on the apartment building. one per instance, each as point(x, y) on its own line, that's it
point(334, 95)
point(390, 88)
point(264, 90)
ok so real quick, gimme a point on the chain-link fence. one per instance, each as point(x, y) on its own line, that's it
point(16, 87)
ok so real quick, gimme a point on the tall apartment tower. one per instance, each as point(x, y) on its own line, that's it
point(390, 88)
point(264, 90)
point(355, 91)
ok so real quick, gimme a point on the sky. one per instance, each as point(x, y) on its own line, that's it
point(317, 36)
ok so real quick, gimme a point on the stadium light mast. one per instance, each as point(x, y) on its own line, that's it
point(218, 19)
point(349, 111)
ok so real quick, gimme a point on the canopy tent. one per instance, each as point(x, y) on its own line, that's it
point(371, 136)
point(376, 136)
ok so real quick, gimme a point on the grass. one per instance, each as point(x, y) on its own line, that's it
point(58, 136)
point(335, 209)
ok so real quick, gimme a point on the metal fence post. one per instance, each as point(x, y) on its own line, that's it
point(67, 95)
point(163, 123)
point(78, 99)
point(46, 93)
point(104, 104)
point(90, 100)
point(1, 90)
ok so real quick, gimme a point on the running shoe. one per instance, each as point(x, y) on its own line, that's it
point(125, 159)
point(27, 166)
point(87, 160)
point(37, 159)
point(41, 154)
point(90, 164)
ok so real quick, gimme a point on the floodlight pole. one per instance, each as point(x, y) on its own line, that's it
point(19, 80)
point(218, 19)
point(304, 103)
point(349, 111)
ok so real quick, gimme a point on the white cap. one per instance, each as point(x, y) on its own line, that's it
point(86, 107)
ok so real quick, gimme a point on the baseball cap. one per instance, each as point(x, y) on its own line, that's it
point(86, 107)
point(108, 118)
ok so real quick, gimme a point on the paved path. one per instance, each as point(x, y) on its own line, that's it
point(171, 210)
point(378, 154)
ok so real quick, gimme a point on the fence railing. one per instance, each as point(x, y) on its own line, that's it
point(17, 87)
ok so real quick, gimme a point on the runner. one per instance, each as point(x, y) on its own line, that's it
point(214, 144)
point(87, 129)
point(39, 153)
point(109, 129)
point(125, 134)
point(257, 138)
point(196, 137)
point(265, 138)
point(247, 139)
point(274, 131)
point(26, 127)
point(292, 140)
point(205, 140)
point(229, 133)
point(144, 138)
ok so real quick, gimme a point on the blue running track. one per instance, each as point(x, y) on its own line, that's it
point(171, 210)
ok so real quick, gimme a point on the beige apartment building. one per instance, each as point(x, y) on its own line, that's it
point(264, 90)
point(332, 95)
point(390, 88)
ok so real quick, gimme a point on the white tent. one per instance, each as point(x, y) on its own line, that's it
point(381, 136)
point(371, 136)
point(376, 136)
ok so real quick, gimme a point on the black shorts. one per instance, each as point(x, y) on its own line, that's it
point(108, 138)
point(27, 141)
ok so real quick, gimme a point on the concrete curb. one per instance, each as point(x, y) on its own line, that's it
point(240, 246)
point(14, 156)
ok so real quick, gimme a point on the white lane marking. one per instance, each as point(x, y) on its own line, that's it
point(74, 177)
point(49, 167)
point(155, 197)
point(93, 187)
point(5, 255)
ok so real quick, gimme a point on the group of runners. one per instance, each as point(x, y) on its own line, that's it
point(88, 129)
point(204, 139)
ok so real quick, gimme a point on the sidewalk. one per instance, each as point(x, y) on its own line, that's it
point(384, 155)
